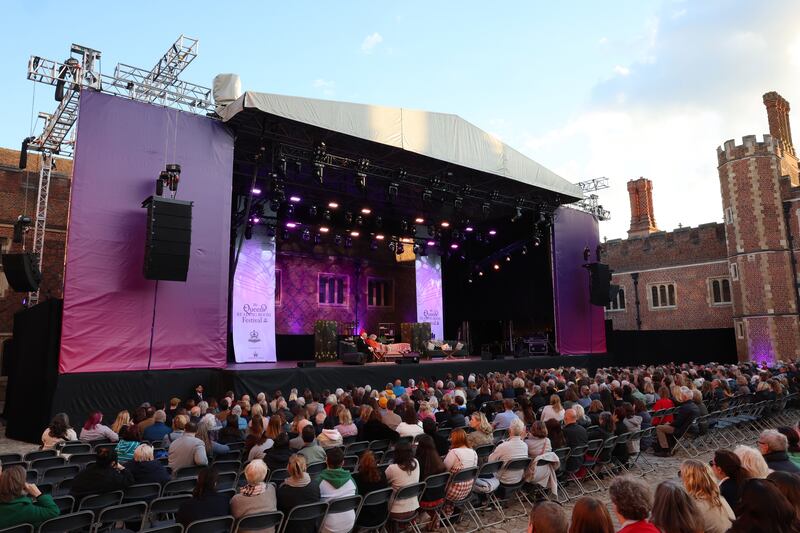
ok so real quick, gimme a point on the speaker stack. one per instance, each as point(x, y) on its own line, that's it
point(169, 239)
point(21, 272)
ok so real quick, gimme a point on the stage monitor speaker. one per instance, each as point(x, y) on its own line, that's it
point(600, 284)
point(352, 358)
point(408, 359)
point(169, 239)
point(306, 364)
point(21, 272)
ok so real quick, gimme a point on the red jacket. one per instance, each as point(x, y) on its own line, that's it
point(642, 526)
point(662, 403)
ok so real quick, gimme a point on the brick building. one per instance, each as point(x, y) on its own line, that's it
point(739, 274)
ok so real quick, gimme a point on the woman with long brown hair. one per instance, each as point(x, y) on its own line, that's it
point(590, 515)
point(789, 485)
point(763, 508)
point(370, 478)
point(714, 511)
point(403, 472)
point(674, 511)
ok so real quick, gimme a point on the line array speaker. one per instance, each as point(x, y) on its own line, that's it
point(169, 239)
point(21, 272)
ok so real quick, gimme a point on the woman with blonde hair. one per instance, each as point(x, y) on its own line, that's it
point(425, 411)
point(145, 468)
point(752, 461)
point(482, 433)
point(713, 510)
point(257, 496)
point(553, 411)
point(345, 427)
point(123, 421)
point(298, 489)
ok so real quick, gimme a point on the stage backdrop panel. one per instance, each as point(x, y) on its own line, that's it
point(580, 326)
point(429, 293)
point(111, 313)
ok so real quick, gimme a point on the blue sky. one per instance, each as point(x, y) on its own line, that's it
point(617, 89)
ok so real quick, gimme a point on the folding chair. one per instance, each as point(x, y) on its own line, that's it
point(637, 458)
point(105, 446)
point(406, 493)
point(590, 459)
point(227, 466)
point(162, 510)
point(179, 486)
point(487, 471)
point(484, 452)
point(144, 492)
point(128, 513)
point(233, 455)
point(498, 435)
point(350, 463)
point(260, 521)
point(278, 476)
point(80, 521)
point(64, 487)
point(169, 528)
point(66, 504)
point(227, 480)
point(435, 489)
point(356, 448)
point(21, 528)
point(47, 462)
point(220, 524)
point(82, 459)
point(465, 475)
point(8, 458)
point(188, 471)
point(97, 502)
point(349, 439)
point(343, 505)
point(39, 454)
point(57, 474)
point(236, 446)
point(405, 440)
point(379, 445)
point(606, 458)
point(562, 477)
point(622, 440)
point(315, 469)
point(70, 448)
point(507, 491)
point(387, 457)
point(310, 512)
point(377, 504)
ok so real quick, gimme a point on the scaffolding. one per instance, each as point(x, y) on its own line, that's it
point(591, 202)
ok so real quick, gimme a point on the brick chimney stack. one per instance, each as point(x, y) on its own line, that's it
point(643, 220)
point(778, 117)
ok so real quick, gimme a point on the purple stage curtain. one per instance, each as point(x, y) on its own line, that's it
point(109, 307)
point(580, 326)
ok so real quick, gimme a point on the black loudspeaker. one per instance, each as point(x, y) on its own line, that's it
point(306, 364)
point(169, 239)
point(352, 358)
point(408, 359)
point(21, 272)
point(600, 285)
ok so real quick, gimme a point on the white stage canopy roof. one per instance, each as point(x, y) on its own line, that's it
point(442, 136)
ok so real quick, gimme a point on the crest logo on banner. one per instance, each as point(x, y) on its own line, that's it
point(429, 292)
point(253, 321)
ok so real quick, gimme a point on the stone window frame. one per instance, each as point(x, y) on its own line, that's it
point(733, 268)
point(345, 290)
point(392, 291)
point(666, 285)
point(710, 287)
point(738, 326)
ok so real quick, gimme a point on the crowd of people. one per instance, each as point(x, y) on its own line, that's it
point(539, 411)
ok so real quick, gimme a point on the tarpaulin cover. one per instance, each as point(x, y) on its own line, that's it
point(580, 326)
point(109, 306)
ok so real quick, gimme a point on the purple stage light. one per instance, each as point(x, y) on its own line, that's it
point(469, 228)
point(454, 246)
point(294, 199)
point(431, 243)
point(492, 232)
point(255, 190)
point(291, 225)
point(256, 220)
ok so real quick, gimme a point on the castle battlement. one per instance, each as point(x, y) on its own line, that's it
point(750, 147)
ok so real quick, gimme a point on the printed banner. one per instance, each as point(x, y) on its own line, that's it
point(253, 310)
point(429, 293)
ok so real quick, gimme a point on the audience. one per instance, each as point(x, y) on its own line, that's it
point(503, 419)
point(402, 472)
point(298, 489)
point(789, 485)
point(336, 482)
point(714, 512)
point(187, 450)
point(512, 448)
point(410, 426)
point(430, 464)
point(752, 461)
point(144, 468)
point(369, 478)
point(206, 502)
point(687, 412)
point(547, 517)
point(774, 445)
point(553, 411)
point(277, 456)
point(156, 431)
point(590, 515)
point(93, 430)
point(763, 508)
point(311, 450)
point(727, 468)
point(178, 424)
point(22, 502)
point(482, 430)
point(257, 496)
point(675, 511)
point(105, 475)
point(346, 427)
point(57, 432)
point(631, 502)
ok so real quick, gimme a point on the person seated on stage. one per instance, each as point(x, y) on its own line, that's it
point(362, 346)
point(377, 347)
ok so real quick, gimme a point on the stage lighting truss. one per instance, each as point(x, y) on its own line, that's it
point(591, 202)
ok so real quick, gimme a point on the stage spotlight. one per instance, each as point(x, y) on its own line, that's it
point(419, 220)
point(524, 250)
point(333, 205)
point(378, 222)
point(469, 229)
point(454, 246)
point(427, 195)
point(281, 170)
point(469, 279)
point(366, 210)
point(431, 243)
point(508, 258)
point(312, 210)
point(480, 272)
point(337, 240)
point(294, 199)
point(492, 232)
point(496, 266)
point(291, 225)
point(326, 215)
point(354, 234)
point(306, 234)
point(255, 190)
point(359, 220)
point(317, 238)
point(393, 190)
point(486, 208)
point(319, 172)
point(324, 229)
point(445, 224)
point(379, 237)
point(320, 151)
point(458, 203)
point(255, 220)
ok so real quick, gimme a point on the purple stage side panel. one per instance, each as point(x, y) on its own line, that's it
point(430, 307)
point(580, 326)
point(108, 305)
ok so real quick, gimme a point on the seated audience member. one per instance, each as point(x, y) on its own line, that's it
point(123, 423)
point(714, 511)
point(127, 444)
point(298, 489)
point(241, 418)
point(231, 432)
point(503, 420)
point(664, 402)
point(156, 431)
point(459, 457)
point(403, 472)
point(674, 510)
point(257, 442)
point(375, 429)
point(93, 430)
point(793, 438)
point(590, 515)
point(369, 478)
point(512, 448)
point(430, 464)
point(441, 442)
point(727, 468)
point(277, 456)
point(687, 412)
point(105, 475)
point(206, 502)
point(547, 517)
point(257, 496)
point(555, 434)
point(188, 450)
point(410, 426)
point(752, 461)
point(553, 411)
point(178, 425)
point(213, 448)
point(22, 502)
point(632, 423)
point(574, 435)
point(330, 438)
point(336, 482)
point(455, 417)
point(538, 444)
point(57, 432)
point(482, 430)
point(789, 485)
point(774, 446)
point(631, 502)
point(762, 508)
point(144, 468)
point(346, 427)
point(311, 451)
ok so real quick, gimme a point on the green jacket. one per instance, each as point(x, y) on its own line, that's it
point(24, 510)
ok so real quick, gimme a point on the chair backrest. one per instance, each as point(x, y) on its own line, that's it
point(259, 521)
point(305, 513)
point(379, 445)
point(344, 504)
point(465, 474)
point(356, 448)
point(170, 528)
point(126, 512)
point(227, 466)
point(95, 502)
point(278, 476)
point(436, 481)
point(188, 471)
point(21, 528)
point(404, 440)
point(235, 445)
point(166, 505)
point(179, 486)
point(377, 497)
point(226, 480)
point(414, 490)
point(387, 457)
point(57, 474)
point(233, 455)
point(143, 492)
point(499, 434)
point(47, 462)
point(220, 524)
point(82, 459)
point(515, 465)
point(66, 504)
point(80, 447)
point(490, 469)
point(349, 439)
point(314, 469)
point(350, 462)
point(39, 454)
point(6, 458)
point(110, 446)
point(69, 522)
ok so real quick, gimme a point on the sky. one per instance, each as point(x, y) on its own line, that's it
point(617, 89)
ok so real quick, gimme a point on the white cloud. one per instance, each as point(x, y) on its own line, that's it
point(602, 40)
point(327, 87)
point(621, 70)
point(370, 42)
